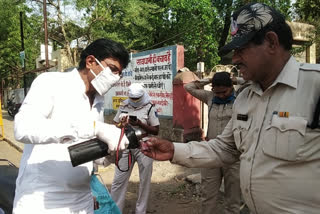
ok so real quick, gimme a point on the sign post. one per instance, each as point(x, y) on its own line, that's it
point(1, 124)
point(22, 57)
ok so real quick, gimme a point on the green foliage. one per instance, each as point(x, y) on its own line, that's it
point(10, 44)
point(194, 25)
point(127, 21)
point(201, 26)
point(145, 25)
point(308, 11)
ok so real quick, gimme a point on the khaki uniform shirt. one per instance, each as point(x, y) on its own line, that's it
point(143, 114)
point(219, 115)
point(279, 155)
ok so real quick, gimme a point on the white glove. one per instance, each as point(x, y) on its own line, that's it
point(123, 117)
point(110, 135)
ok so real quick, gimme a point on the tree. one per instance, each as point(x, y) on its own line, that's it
point(309, 12)
point(145, 25)
point(199, 21)
point(61, 31)
point(10, 42)
point(125, 21)
point(201, 26)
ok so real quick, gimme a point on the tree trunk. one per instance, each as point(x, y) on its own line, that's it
point(227, 22)
point(60, 21)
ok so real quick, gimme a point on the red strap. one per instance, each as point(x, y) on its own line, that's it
point(117, 154)
point(118, 147)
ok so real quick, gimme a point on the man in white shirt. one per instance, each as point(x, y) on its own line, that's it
point(60, 110)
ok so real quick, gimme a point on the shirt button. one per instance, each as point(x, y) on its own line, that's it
point(249, 159)
point(257, 130)
point(246, 190)
point(282, 127)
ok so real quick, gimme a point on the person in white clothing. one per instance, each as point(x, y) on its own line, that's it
point(60, 110)
point(140, 113)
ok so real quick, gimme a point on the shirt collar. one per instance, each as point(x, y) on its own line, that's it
point(288, 76)
point(78, 80)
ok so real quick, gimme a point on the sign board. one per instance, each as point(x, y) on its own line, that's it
point(22, 57)
point(155, 69)
point(116, 101)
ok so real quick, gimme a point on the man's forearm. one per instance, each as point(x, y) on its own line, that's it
point(205, 154)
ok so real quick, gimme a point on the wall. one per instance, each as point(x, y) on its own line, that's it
point(302, 33)
point(59, 59)
point(156, 70)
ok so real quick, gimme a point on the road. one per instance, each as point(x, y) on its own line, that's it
point(10, 153)
point(9, 150)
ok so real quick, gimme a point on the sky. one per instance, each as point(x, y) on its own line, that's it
point(69, 12)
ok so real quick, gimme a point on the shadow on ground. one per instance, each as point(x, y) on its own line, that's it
point(170, 192)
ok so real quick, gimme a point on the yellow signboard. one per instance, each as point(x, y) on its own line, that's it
point(116, 102)
point(1, 124)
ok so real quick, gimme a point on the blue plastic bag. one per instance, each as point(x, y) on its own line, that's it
point(106, 204)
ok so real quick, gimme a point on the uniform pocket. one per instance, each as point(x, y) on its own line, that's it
point(240, 130)
point(284, 138)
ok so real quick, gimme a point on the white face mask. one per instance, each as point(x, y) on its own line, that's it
point(104, 80)
point(136, 103)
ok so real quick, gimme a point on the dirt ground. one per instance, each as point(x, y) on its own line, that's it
point(170, 193)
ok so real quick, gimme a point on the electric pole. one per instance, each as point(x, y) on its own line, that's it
point(45, 32)
point(22, 55)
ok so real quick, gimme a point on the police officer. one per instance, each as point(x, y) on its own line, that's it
point(270, 129)
point(220, 101)
point(140, 113)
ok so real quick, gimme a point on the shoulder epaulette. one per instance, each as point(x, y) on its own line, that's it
point(310, 67)
point(242, 87)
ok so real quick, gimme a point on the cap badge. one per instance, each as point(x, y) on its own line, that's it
point(234, 27)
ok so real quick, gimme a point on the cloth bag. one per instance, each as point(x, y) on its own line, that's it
point(106, 204)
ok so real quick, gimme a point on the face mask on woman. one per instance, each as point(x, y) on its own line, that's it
point(136, 102)
point(104, 80)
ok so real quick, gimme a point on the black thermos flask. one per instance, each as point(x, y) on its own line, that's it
point(94, 148)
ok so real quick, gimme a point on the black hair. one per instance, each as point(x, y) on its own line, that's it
point(102, 49)
point(280, 27)
point(221, 79)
